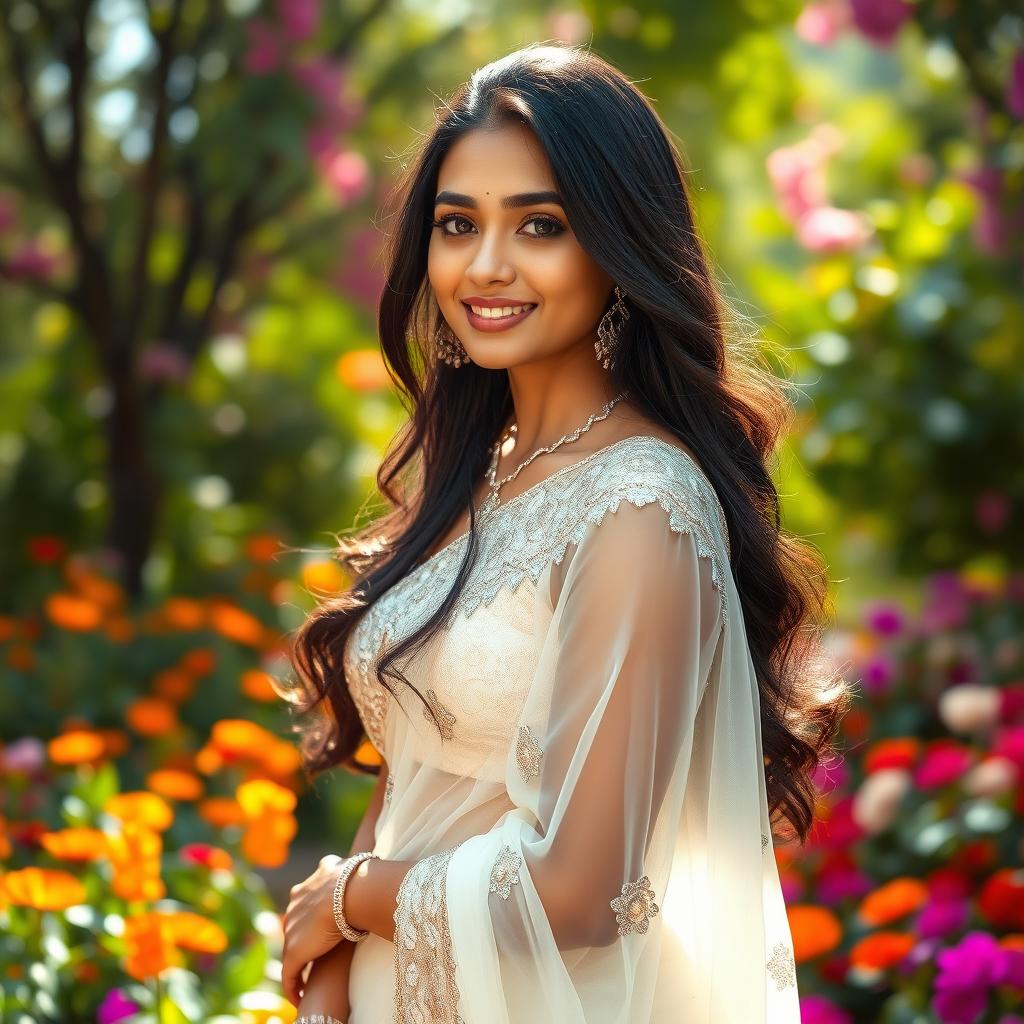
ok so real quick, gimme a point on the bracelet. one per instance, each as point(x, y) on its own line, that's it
point(338, 899)
point(318, 1018)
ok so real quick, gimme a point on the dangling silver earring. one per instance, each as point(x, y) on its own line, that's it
point(609, 328)
point(448, 347)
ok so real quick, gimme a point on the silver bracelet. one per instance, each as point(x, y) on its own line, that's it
point(338, 900)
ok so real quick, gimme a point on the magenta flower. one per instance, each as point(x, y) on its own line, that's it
point(880, 20)
point(834, 887)
point(879, 673)
point(1015, 86)
point(1009, 743)
point(24, 757)
point(885, 618)
point(819, 1010)
point(116, 1006)
point(941, 918)
point(941, 765)
point(263, 53)
point(966, 972)
point(299, 18)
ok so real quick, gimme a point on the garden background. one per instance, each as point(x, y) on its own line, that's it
point(191, 197)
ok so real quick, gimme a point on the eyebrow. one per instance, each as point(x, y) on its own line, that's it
point(508, 203)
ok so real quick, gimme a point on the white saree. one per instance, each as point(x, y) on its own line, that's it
point(590, 824)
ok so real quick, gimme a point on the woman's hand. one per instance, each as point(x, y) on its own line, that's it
point(326, 990)
point(309, 926)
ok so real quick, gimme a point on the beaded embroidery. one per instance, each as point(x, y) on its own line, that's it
point(425, 988)
point(505, 872)
point(445, 717)
point(528, 754)
point(389, 788)
point(782, 966)
point(635, 907)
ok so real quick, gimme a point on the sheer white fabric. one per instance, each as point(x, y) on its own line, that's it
point(590, 823)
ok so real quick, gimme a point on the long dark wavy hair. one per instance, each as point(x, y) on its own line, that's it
point(625, 194)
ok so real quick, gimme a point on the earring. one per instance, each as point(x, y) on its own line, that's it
point(447, 346)
point(609, 328)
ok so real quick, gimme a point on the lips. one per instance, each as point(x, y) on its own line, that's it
point(503, 323)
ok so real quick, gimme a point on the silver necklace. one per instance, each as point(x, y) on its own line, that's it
point(491, 502)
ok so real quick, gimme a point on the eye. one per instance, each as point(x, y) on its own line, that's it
point(551, 227)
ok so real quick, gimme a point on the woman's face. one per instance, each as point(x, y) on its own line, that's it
point(524, 254)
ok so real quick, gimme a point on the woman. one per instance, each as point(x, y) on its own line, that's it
point(580, 635)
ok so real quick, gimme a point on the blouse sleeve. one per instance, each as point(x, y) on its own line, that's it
point(600, 869)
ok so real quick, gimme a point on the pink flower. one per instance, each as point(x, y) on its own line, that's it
point(116, 1006)
point(989, 227)
point(830, 229)
point(1015, 86)
point(263, 53)
point(30, 260)
point(299, 18)
point(160, 361)
point(878, 799)
point(324, 80)
point(836, 886)
point(821, 22)
point(797, 173)
point(1009, 743)
point(25, 756)
point(879, 673)
point(348, 174)
point(943, 763)
point(880, 20)
point(991, 778)
point(819, 1010)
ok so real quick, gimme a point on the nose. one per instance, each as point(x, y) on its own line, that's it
point(490, 263)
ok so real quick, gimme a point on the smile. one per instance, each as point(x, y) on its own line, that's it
point(499, 318)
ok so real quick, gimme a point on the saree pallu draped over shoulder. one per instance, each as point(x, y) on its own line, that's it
point(590, 822)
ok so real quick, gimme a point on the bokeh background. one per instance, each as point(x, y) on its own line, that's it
point(192, 205)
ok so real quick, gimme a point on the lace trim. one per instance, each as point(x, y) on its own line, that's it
point(533, 530)
point(425, 988)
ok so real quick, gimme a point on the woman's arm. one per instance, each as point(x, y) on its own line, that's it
point(326, 988)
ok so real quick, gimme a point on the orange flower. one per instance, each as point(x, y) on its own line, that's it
point(82, 844)
point(266, 839)
point(195, 932)
point(892, 901)
point(174, 684)
point(262, 547)
point(91, 585)
point(363, 369)
point(237, 738)
point(258, 685)
point(184, 613)
point(79, 746)
point(149, 947)
point(115, 742)
point(135, 857)
point(235, 624)
point(367, 753)
point(151, 716)
point(200, 661)
point(42, 888)
point(146, 809)
point(816, 930)
point(323, 577)
point(881, 950)
point(174, 784)
point(221, 811)
point(69, 611)
point(281, 759)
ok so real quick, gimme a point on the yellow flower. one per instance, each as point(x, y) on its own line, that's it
point(147, 809)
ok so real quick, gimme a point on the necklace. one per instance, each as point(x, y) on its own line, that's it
point(491, 502)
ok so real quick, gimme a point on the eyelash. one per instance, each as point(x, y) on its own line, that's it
point(441, 221)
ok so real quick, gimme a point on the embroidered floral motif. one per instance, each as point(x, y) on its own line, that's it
point(389, 788)
point(445, 718)
point(635, 907)
point(782, 967)
point(505, 872)
point(425, 988)
point(528, 754)
point(764, 840)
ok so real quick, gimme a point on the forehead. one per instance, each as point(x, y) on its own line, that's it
point(498, 161)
